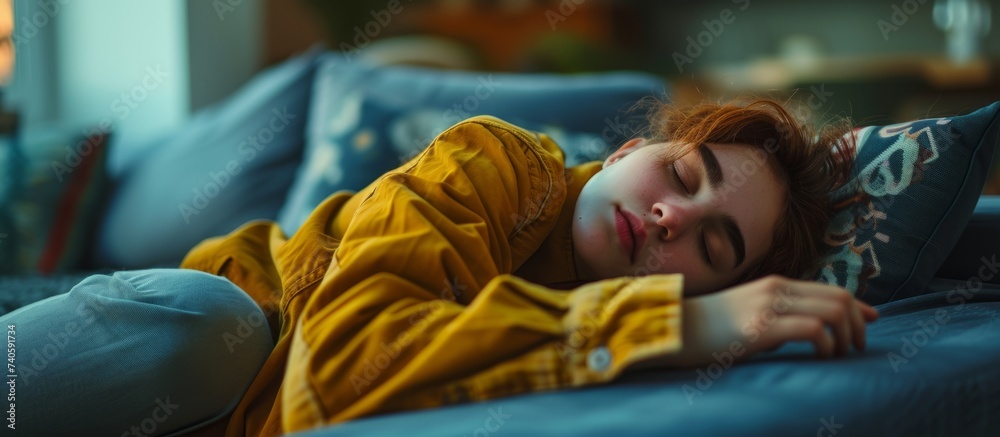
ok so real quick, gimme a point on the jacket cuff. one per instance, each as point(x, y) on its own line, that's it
point(615, 323)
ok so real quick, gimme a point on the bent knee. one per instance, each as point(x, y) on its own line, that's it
point(146, 338)
point(220, 338)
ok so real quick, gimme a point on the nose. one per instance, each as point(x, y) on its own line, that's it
point(676, 216)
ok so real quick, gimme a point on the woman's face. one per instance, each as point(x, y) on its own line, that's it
point(710, 220)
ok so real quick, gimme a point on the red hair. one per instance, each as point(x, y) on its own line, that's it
point(810, 163)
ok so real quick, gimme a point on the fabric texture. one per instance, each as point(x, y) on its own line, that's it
point(914, 188)
point(54, 211)
point(975, 257)
point(416, 292)
point(366, 118)
point(231, 163)
point(142, 352)
point(993, 179)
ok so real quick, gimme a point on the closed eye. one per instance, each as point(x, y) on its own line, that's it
point(677, 177)
point(703, 248)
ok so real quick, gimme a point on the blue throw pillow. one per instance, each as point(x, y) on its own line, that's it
point(914, 188)
point(229, 164)
point(367, 119)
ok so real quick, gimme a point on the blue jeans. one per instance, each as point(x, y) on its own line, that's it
point(146, 352)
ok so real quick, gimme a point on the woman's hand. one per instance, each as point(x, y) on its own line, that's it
point(762, 315)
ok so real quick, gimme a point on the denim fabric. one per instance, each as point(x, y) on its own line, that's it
point(144, 352)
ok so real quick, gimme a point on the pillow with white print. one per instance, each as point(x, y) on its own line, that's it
point(914, 186)
point(366, 119)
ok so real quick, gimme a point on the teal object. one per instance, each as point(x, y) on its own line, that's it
point(11, 182)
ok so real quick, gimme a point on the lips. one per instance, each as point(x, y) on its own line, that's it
point(625, 237)
point(631, 232)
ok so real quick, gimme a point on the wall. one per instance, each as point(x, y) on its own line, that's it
point(141, 65)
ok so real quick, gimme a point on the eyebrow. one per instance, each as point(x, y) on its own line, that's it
point(715, 179)
point(711, 166)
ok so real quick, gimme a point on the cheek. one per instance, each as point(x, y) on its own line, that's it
point(644, 182)
point(588, 236)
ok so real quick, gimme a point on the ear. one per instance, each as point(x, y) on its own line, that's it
point(629, 147)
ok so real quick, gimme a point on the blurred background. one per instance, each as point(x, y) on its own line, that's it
point(874, 61)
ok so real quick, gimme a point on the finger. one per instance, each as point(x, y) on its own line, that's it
point(858, 324)
point(859, 311)
point(834, 314)
point(870, 313)
point(819, 290)
point(798, 328)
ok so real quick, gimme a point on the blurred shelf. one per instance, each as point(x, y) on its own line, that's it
point(780, 73)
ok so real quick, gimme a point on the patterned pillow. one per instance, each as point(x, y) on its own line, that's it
point(367, 119)
point(914, 187)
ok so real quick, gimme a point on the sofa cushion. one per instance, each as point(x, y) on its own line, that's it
point(915, 186)
point(230, 163)
point(975, 260)
point(367, 119)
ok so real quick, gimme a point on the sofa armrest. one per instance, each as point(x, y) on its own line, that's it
point(977, 253)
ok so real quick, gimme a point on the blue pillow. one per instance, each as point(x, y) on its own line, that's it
point(367, 119)
point(914, 187)
point(229, 164)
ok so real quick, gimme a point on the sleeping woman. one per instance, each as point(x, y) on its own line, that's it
point(479, 269)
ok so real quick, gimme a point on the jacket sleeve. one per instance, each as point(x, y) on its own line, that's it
point(419, 309)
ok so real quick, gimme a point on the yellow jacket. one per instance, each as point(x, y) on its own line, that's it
point(423, 289)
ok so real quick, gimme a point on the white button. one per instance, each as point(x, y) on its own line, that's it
point(599, 359)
